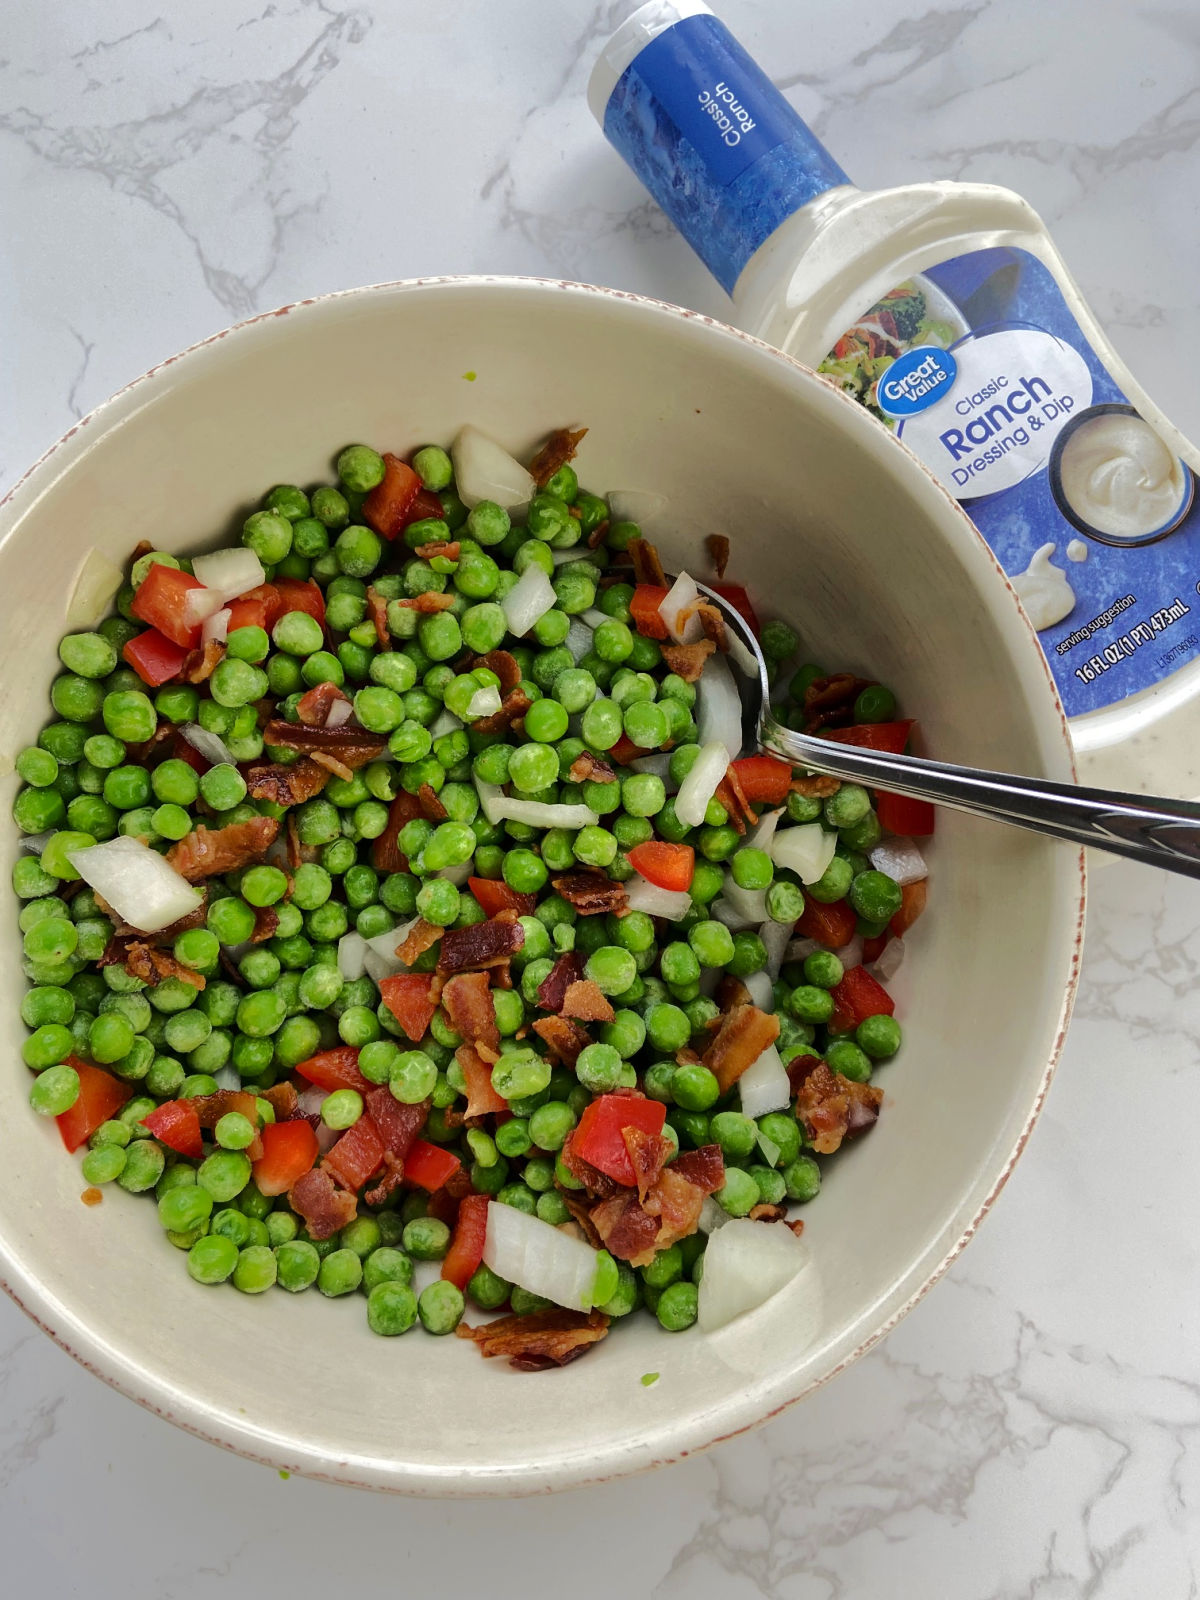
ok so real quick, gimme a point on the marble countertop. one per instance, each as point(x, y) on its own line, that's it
point(1032, 1431)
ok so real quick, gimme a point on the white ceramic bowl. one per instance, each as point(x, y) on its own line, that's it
point(834, 526)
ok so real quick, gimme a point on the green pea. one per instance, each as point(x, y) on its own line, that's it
point(392, 1308)
point(256, 1269)
point(874, 896)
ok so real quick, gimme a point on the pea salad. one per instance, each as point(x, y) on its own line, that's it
point(402, 915)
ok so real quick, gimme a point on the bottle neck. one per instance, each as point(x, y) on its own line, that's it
point(707, 132)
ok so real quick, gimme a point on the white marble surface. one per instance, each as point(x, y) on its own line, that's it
point(1032, 1432)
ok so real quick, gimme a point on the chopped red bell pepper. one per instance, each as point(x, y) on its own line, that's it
point(890, 736)
point(740, 601)
point(334, 1069)
point(300, 594)
point(466, 1247)
point(643, 609)
point(154, 657)
point(763, 778)
point(912, 902)
point(598, 1140)
point(408, 998)
point(357, 1154)
point(898, 814)
point(429, 1166)
point(183, 750)
point(669, 866)
point(425, 504)
point(177, 1124)
point(160, 601)
point(289, 1150)
point(482, 1097)
point(386, 508)
point(259, 607)
point(833, 926)
point(625, 751)
point(857, 997)
point(101, 1096)
point(873, 948)
point(494, 895)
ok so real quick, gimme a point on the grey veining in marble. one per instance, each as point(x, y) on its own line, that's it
point(1032, 1431)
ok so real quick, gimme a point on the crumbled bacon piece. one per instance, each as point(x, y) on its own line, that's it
point(704, 1167)
point(506, 667)
point(397, 1125)
point(295, 850)
point(264, 710)
point(713, 623)
point(628, 1231)
point(315, 704)
point(558, 449)
point(540, 1339)
point(676, 1203)
point(377, 611)
point(767, 1213)
point(468, 1003)
point(815, 786)
point(587, 1002)
point(648, 1155)
point(717, 546)
point(152, 965)
point(386, 854)
point(266, 921)
point(483, 944)
point(744, 1034)
point(482, 1099)
point(164, 936)
point(686, 661)
point(587, 768)
point(210, 1108)
point(450, 548)
point(423, 936)
point(350, 745)
point(324, 1207)
point(832, 1108)
point(829, 702)
point(333, 765)
point(91, 1196)
point(512, 708)
point(581, 1216)
point(797, 1226)
point(200, 664)
point(283, 784)
point(591, 894)
point(647, 568)
point(205, 852)
point(428, 602)
point(593, 1180)
point(596, 538)
point(552, 990)
point(283, 1100)
point(432, 808)
point(564, 1038)
point(733, 797)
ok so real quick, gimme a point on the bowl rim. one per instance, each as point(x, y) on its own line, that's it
point(154, 1394)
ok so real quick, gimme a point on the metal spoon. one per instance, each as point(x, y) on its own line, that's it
point(1161, 833)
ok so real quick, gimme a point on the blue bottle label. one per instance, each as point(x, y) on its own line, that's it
point(715, 142)
point(979, 365)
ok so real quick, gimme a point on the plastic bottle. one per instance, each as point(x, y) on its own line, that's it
point(947, 310)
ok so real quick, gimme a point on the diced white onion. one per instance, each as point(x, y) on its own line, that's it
point(775, 937)
point(770, 1150)
point(851, 954)
point(644, 896)
point(748, 903)
point(537, 813)
point(658, 764)
point(740, 654)
point(327, 1137)
point(764, 1085)
point(351, 953)
point(379, 956)
point(745, 1264)
point(698, 788)
point(484, 703)
point(763, 831)
point(230, 572)
point(900, 859)
point(890, 960)
point(719, 707)
point(539, 1258)
point(492, 799)
point(642, 506)
point(575, 552)
point(228, 1077)
point(484, 470)
point(760, 989)
point(800, 949)
point(595, 618)
point(235, 952)
point(136, 881)
point(712, 1215)
point(457, 874)
point(310, 1099)
point(445, 722)
point(35, 843)
point(529, 598)
point(210, 745)
point(579, 639)
point(200, 604)
point(216, 627)
point(339, 712)
point(806, 850)
point(734, 919)
point(94, 590)
point(680, 597)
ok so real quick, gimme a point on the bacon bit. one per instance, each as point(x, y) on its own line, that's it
point(168, 935)
point(558, 449)
point(482, 1099)
point(596, 538)
point(314, 706)
point(766, 1213)
point(285, 785)
point(816, 786)
point(797, 1226)
point(687, 1057)
point(539, 1340)
point(512, 709)
point(91, 1197)
point(377, 611)
point(563, 1038)
point(587, 1002)
point(593, 1180)
point(591, 894)
point(483, 944)
point(386, 855)
point(733, 797)
point(210, 1108)
point(295, 850)
point(432, 808)
point(333, 765)
point(153, 965)
point(352, 746)
point(142, 548)
point(552, 990)
point(713, 623)
point(581, 1215)
point(422, 937)
point(677, 1204)
point(397, 1126)
point(199, 665)
point(647, 568)
point(324, 1207)
point(704, 1167)
point(829, 702)
point(587, 768)
point(832, 1108)
point(450, 548)
point(745, 1033)
point(266, 921)
point(717, 546)
point(205, 852)
point(687, 660)
point(428, 602)
point(648, 1155)
point(283, 1100)
point(264, 710)
point(472, 1012)
point(506, 667)
point(627, 1230)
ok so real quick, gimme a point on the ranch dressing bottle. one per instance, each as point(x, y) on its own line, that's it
point(945, 310)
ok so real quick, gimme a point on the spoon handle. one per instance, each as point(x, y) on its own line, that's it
point(1161, 833)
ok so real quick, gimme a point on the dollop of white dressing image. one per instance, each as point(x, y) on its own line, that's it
point(1119, 477)
point(1077, 550)
point(1043, 590)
